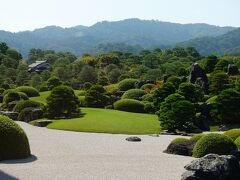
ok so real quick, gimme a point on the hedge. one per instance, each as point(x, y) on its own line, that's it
point(129, 105)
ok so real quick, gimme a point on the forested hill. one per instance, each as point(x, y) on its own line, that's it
point(228, 43)
point(131, 33)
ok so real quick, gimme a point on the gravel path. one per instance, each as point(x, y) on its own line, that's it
point(89, 156)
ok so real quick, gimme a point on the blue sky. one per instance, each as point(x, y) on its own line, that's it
point(18, 15)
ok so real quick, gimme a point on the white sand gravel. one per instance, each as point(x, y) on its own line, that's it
point(89, 156)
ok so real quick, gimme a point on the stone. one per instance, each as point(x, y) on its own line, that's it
point(192, 128)
point(184, 148)
point(227, 127)
point(42, 123)
point(213, 167)
point(33, 115)
point(197, 75)
point(11, 105)
point(133, 139)
point(12, 115)
point(232, 70)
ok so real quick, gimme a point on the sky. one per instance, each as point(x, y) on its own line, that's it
point(19, 15)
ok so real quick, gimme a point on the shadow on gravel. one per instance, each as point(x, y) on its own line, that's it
point(5, 176)
point(30, 159)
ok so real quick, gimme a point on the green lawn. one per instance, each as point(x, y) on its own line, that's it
point(110, 121)
point(43, 96)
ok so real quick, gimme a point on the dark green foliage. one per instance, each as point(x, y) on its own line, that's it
point(87, 85)
point(129, 105)
point(87, 74)
point(233, 133)
point(213, 143)
point(28, 90)
point(176, 140)
point(221, 65)
point(191, 92)
point(209, 63)
point(127, 84)
point(134, 94)
point(53, 82)
point(147, 86)
point(95, 97)
point(174, 80)
point(62, 102)
point(11, 96)
point(25, 104)
point(149, 108)
point(113, 75)
point(217, 82)
point(13, 140)
point(161, 93)
point(148, 97)
point(227, 106)
point(176, 113)
point(151, 60)
point(5, 86)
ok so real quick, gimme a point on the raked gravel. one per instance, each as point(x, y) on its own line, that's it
point(90, 156)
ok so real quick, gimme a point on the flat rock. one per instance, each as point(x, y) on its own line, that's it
point(42, 123)
point(133, 139)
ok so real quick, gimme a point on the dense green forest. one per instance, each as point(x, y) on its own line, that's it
point(131, 33)
point(175, 84)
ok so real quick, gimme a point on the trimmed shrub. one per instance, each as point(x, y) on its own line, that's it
point(28, 90)
point(127, 84)
point(196, 137)
point(233, 133)
point(53, 82)
point(134, 94)
point(129, 105)
point(149, 108)
point(82, 93)
point(213, 143)
point(62, 102)
point(7, 91)
point(11, 96)
point(25, 112)
point(25, 104)
point(23, 96)
point(148, 87)
point(13, 140)
point(237, 142)
point(147, 97)
point(176, 140)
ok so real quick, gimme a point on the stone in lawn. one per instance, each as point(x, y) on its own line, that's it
point(42, 123)
point(133, 139)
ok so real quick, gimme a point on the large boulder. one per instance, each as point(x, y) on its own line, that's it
point(232, 70)
point(213, 167)
point(198, 76)
point(184, 148)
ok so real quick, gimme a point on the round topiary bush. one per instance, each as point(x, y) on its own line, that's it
point(127, 84)
point(179, 140)
point(148, 87)
point(129, 105)
point(233, 133)
point(10, 97)
point(25, 112)
point(213, 143)
point(7, 91)
point(25, 104)
point(23, 96)
point(134, 94)
point(237, 142)
point(196, 137)
point(28, 90)
point(13, 140)
point(148, 97)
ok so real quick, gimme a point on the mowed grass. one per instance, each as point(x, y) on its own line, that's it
point(43, 96)
point(110, 121)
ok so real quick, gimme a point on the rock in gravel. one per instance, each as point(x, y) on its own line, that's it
point(184, 148)
point(42, 123)
point(213, 167)
point(133, 139)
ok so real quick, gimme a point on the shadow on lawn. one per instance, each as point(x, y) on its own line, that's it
point(5, 176)
point(30, 159)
